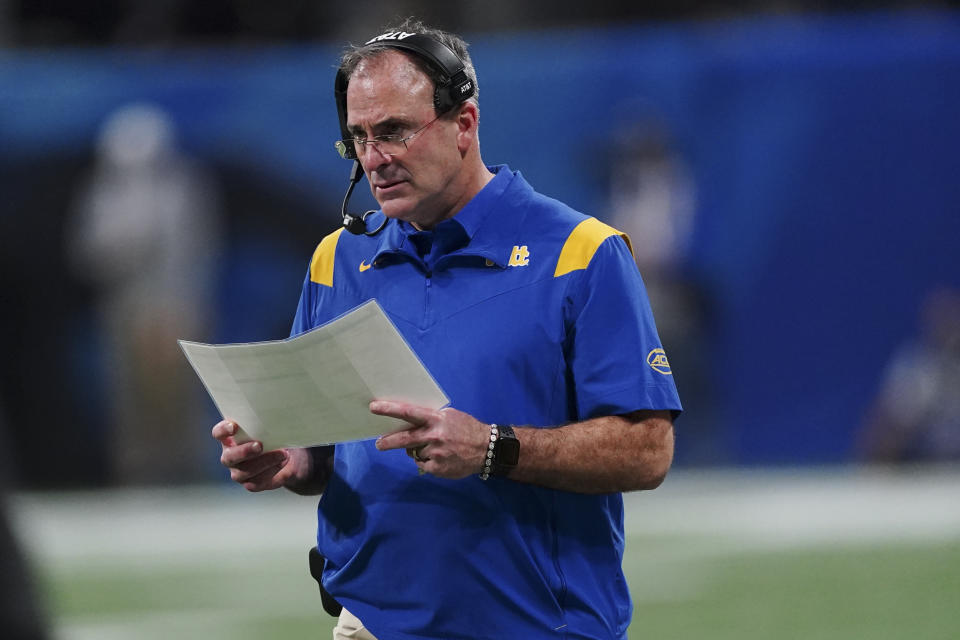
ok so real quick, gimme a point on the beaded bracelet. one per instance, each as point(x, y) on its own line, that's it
point(488, 461)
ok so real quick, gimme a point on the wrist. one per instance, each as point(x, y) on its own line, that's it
point(313, 467)
point(502, 454)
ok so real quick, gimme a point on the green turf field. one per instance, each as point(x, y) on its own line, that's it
point(817, 556)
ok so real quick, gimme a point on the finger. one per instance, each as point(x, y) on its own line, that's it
point(409, 439)
point(250, 469)
point(426, 467)
point(224, 430)
point(232, 456)
point(411, 413)
point(419, 453)
point(267, 479)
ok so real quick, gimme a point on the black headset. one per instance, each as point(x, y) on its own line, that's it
point(453, 88)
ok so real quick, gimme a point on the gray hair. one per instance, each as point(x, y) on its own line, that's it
point(353, 55)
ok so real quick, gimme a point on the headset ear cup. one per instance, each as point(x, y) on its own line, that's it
point(448, 96)
point(453, 92)
point(462, 89)
point(441, 100)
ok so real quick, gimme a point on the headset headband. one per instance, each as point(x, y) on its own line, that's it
point(453, 88)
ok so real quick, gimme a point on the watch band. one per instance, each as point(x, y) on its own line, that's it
point(506, 452)
point(503, 452)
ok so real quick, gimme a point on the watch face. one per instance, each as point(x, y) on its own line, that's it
point(507, 452)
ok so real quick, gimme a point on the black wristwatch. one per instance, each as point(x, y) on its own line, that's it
point(506, 451)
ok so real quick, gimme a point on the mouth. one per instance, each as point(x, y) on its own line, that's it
point(387, 179)
point(385, 186)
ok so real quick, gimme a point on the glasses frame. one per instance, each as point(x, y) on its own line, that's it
point(362, 145)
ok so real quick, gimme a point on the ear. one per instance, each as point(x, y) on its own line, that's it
point(467, 121)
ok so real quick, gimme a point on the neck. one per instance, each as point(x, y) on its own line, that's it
point(475, 176)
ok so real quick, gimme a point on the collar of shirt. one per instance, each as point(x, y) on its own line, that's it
point(461, 234)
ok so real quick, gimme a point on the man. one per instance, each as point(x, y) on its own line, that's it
point(528, 314)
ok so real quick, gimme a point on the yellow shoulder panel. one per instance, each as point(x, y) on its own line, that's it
point(321, 267)
point(582, 243)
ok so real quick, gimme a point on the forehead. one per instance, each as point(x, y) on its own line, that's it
point(388, 85)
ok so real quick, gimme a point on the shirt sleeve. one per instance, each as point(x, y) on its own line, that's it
point(616, 360)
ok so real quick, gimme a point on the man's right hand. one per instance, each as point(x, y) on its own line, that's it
point(258, 470)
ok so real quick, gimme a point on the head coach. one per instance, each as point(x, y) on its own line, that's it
point(500, 516)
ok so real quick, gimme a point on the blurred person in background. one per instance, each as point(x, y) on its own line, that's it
point(146, 233)
point(21, 615)
point(653, 199)
point(527, 313)
point(916, 414)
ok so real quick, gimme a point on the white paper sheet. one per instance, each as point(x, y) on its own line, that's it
point(316, 388)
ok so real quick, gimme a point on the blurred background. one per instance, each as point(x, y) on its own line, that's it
point(786, 171)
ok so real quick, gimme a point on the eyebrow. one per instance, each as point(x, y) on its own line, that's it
point(393, 122)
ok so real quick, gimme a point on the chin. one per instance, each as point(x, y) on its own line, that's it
point(397, 209)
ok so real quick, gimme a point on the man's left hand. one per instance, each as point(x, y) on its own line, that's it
point(445, 443)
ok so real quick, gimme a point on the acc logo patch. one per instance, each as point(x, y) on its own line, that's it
point(657, 359)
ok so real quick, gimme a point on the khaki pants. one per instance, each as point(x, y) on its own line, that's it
point(349, 627)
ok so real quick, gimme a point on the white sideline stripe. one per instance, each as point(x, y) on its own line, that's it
point(163, 524)
point(772, 509)
point(164, 624)
point(783, 509)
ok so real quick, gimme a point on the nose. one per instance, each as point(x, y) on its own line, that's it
point(371, 157)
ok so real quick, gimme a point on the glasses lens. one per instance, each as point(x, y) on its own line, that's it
point(387, 145)
point(390, 145)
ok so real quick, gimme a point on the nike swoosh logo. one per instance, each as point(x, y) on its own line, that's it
point(364, 266)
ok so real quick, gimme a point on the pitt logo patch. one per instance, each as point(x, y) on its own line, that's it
point(657, 359)
point(520, 257)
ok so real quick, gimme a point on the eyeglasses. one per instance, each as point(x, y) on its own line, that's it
point(389, 145)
